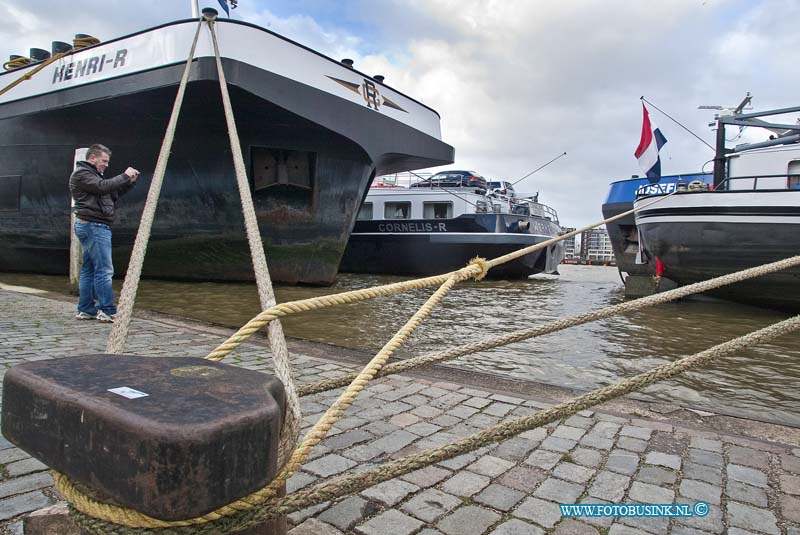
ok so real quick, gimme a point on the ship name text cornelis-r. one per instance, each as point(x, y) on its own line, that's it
point(412, 227)
point(88, 66)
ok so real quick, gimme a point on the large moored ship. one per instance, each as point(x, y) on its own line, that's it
point(314, 132)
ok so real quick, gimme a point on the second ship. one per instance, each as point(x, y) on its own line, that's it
point(438, 224)
point(314, 133)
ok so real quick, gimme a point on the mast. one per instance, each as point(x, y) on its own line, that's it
point(719, 156)
point(724, 117)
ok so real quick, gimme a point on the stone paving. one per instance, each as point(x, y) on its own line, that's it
point(510, 488)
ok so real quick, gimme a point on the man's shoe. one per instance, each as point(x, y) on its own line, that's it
point(84, 316)
point(102, 317)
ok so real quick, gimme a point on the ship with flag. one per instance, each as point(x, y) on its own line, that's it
point(750, 217)
point(623, 233)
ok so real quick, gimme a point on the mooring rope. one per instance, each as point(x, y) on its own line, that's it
point(277, 341)
point(354, 296)
point(555, 326)
point(314, 303)
point(360, 481)
point(12, 64)
point(317, 433)
point(87, 512)
point(119, 331)
point(28, 75)
point(320, 429)
point(251, 509)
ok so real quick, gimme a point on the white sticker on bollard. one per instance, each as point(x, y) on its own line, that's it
point(128, 392)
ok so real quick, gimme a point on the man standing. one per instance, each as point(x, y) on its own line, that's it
point(95, 198)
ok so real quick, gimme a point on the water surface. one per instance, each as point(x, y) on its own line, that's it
point(758, 383)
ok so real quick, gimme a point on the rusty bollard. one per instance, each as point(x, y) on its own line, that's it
point(170, 437)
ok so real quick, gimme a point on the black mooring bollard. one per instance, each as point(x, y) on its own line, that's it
point(171, 437)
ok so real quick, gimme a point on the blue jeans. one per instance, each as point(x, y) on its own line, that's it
point(96, 292)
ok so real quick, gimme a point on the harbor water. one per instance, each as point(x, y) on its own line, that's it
point(758, 383)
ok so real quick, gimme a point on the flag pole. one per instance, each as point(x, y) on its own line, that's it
point(676, 122)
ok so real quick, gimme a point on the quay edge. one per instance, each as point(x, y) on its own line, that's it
point(520, 481)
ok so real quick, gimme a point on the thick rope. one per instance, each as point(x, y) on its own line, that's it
point(314, 436)
point(320, 429)
point(555, 326)
point(12, 64)
point(17, 63)
point(83, 42)
point(503, 431)
point(29, 75)
point(280, 353)
point(652, 300)
point(314, 303)
point(119, 332)
point(359, 481)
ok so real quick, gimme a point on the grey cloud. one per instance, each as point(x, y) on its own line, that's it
point(518, 82)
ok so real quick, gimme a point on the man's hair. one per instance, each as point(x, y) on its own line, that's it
point(97, 150)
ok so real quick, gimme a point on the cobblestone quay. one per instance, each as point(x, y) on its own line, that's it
point(624, 452)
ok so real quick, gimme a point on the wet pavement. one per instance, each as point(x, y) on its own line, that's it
point(759, 383)
point(622, 453)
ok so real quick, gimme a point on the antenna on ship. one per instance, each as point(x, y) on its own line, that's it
point(729, 110)
point(539, 168)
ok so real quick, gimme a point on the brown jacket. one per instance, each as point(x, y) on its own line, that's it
point(95, 196)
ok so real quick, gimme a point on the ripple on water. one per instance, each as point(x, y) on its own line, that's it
point(758, 382)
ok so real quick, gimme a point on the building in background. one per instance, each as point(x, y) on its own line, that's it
point(569, 245)
point(596, 247)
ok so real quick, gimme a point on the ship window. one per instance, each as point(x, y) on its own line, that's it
point(520, 209)
point(397, 210)
point(365, 212)
point(437, 210)
point(9, 192)
point(481, 207)
point(793, 180)
point(282, 169)
point(496, 208)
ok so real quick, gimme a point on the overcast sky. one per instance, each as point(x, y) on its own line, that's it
point(516, 82)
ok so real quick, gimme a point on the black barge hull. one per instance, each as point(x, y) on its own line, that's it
point(414, 247)
point(697, 252)
point(625, 239)
point(695, 243)
point(334, 147)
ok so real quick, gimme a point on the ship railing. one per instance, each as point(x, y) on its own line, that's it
point(542, 210)
point(404, 179)
point(534, 209)
point(790, 181)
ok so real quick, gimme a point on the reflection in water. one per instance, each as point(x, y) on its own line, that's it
point(757, 383)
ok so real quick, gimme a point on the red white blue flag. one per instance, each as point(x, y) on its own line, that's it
point(224, 5)
point(649, 145)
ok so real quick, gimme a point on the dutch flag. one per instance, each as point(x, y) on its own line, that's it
point(225, 7)
point(649, 146)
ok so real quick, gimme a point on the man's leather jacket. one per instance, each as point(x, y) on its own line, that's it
point(94, 195)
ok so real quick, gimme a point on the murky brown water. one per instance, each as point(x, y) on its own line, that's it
point(760, 383)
